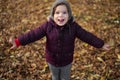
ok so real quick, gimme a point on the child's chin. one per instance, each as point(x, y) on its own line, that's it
point(61, 24)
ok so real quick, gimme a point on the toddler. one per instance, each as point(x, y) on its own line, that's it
point(60, 31)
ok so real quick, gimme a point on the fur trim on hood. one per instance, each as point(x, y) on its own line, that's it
point(58, 2)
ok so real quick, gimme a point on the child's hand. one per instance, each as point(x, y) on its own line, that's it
point(106, 47)
point(12, 41)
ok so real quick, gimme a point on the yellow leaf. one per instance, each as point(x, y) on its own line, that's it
point(102, 78)
point(111, 42)
point(100, 59)
point(88, 18)
point(45, 0)
point(118, 56)
point(85, 44)
point(46, 68)
point(12, 56)
point(24, 21)
point(90, 65)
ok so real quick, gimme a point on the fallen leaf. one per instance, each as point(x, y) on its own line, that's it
point(118, 55)
point(102, 78)
point(100, 59)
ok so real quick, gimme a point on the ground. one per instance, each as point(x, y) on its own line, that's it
point(100, 17)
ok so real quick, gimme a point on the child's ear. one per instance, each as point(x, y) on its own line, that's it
point(73, 19)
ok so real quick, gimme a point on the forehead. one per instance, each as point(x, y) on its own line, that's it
point(61, 8)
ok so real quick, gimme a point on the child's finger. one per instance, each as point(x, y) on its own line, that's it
point(11, 40)
point(106, 47)
point(13, 47)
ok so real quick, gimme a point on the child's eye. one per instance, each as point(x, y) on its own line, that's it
point(64, 12)
point(56, 12)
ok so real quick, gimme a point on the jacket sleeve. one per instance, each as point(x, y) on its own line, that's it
point(33, 35)
point(88, 37)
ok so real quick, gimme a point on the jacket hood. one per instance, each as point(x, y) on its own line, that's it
point(58, 2)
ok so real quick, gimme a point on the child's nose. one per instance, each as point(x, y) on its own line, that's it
point(61, 14)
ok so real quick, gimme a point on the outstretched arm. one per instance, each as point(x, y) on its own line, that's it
point(29, 37)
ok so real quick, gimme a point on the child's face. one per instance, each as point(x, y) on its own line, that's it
point(61, 15)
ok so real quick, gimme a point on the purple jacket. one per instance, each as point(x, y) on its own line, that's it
point(60, 40)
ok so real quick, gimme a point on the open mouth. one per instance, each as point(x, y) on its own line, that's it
point(61, 20)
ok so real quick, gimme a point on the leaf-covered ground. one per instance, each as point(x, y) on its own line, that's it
point(101, 17)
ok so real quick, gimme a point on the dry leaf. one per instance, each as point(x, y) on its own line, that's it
point(100, 59)
point(118, 55)
point(102, 78)
point(111, 42)
point(45, 69)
